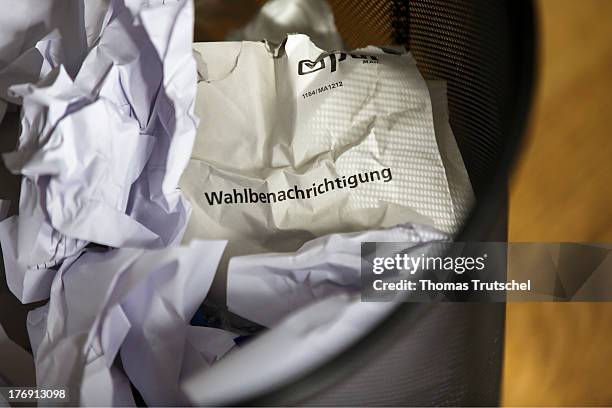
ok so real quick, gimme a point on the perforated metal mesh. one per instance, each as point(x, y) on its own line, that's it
point(364, 22)
point(442, 358)
point(468, 44)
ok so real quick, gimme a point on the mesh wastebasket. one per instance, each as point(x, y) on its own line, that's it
point(431, 354)
point(440, 354)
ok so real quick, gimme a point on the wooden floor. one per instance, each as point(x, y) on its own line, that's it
point(561, 354)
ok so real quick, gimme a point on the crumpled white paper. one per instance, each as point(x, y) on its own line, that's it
point(311, 301)
point(101, 155)
point(301, 342)
point(83, 163)
point(33, 64)
point(109, 145)
point(266, 288)
point(30, 245)
point(33, 33)
point(277, 18)
point(104, 142)
point(129, 302)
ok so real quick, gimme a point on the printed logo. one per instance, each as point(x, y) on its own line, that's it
point(306, 67)
point(311, 66)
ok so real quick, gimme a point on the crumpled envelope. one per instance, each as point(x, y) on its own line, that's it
point(295, 126)
point(279, 18)
point(109, 145)
point(131, 304)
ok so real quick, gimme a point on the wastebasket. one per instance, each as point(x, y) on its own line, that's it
point(433, 354)
point(440, 354)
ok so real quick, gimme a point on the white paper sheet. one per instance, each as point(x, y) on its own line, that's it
point(110, 145)
point(278, 18)
point(134, 302)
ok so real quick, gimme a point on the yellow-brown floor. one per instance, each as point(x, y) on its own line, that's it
point(561, 354)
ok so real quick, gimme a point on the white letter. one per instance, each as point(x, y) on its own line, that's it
point(377, 287)
point(377, 269)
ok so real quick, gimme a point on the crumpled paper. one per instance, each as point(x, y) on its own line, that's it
point(81, 177)
point(131, 304)
point(109, 145)
point(104, 142)
point(277, 18)
point(33, 33)
point(301, 342)
point(311, 301)
point(34, 64)
point(101, 154)
point(265, 288)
